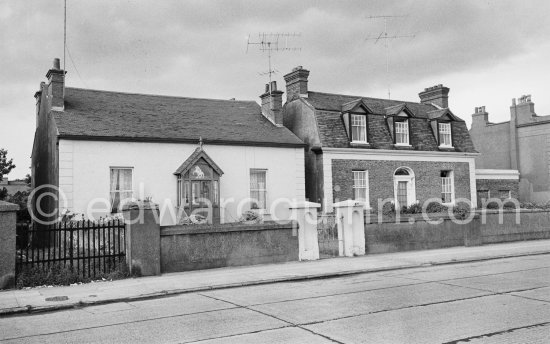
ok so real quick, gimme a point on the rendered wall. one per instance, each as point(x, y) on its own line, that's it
point(389, 237)
point(84, 170)
point(493, 142)
point(532, 224)
point(534, 162)
point(186, 248)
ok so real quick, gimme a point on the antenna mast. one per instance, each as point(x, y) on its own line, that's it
point(64, 44)
point(269, 43)
point(384, 36)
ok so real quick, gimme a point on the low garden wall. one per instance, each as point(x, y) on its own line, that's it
point(533, 224)
point(195, 247)
point(415, 233)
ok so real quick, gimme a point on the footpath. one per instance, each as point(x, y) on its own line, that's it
point(43, 299)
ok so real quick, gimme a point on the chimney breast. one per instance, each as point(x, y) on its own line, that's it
point(296, 83)
point(272, 104)
point(437, 95)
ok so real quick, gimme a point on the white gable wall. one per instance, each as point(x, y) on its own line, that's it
point(84, 174)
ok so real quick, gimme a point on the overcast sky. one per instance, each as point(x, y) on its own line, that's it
point(486, 52)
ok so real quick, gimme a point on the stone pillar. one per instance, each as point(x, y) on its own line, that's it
point(8, 219)
point(305, 214)
point(142, 238)
point(351, 228)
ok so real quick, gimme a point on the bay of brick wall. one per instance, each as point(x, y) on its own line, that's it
point(427, 178)
point(495, 185)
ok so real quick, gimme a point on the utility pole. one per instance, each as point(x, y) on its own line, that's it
point(384, 36)
point(269, 43)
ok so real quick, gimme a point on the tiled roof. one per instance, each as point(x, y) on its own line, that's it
point(125, 116)
point(332, 131)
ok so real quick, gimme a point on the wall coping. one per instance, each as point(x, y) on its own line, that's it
point(417, 218)
point(223, 228)
point(8, 207)
point(507, 211)
point(496, 174)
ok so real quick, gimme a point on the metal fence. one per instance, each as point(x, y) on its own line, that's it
point(88, 248)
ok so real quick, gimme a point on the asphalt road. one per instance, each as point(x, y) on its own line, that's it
point(497, 301)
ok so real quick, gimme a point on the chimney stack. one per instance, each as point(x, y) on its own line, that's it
point(296, 83)
point(272, 104)
point(437, 95)
point(480, 117)
point(524, 110)
point(56, 86)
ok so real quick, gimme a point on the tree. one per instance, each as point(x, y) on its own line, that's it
point(5, 165)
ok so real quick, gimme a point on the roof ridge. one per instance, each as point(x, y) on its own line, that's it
point(160, 95)
point(361, 97)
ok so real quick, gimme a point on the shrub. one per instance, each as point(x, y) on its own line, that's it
point(436, 207)
point(388, 209)
point(415, 208)
point(58, 274)
point(250, 216)
point(461, 210)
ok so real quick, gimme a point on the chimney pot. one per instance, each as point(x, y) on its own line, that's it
point(273, 86)
point(56, 64)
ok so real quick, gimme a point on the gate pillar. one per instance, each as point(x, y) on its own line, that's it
point(305, 214)
point(7, 244)
point(351, 227)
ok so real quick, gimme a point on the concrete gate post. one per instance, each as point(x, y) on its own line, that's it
point(305, 214)
point(142, 238)
point(8, 218)
point(351, 228)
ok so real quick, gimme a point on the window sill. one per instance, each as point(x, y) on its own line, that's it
point(446, 147)
point(359, 144)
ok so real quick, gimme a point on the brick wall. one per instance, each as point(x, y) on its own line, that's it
point(495, 185)
point(427, 178)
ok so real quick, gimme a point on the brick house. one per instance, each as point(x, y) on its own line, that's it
point(514, 155)
point(377, 149)
point(183, 152)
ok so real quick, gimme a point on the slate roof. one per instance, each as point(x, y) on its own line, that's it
point(105, 115)
point(333, 102)
point(332, 131)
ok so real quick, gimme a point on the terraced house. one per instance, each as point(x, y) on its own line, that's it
point(372, 149)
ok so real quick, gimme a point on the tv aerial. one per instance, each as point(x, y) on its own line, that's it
point(272, 42)
point(383, 36)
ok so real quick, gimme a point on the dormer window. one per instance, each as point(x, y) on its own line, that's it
point(402, 132)
point(358, 128)
point(445, 135)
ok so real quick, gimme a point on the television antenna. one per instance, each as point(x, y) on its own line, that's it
point(384, 36)
point(269, 43)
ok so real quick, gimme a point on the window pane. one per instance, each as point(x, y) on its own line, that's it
point(258, 188)
point(402, 194)
point(120, 187)
point(445, 134)
point(360, 185)
point(402, 132)
point(359, 128)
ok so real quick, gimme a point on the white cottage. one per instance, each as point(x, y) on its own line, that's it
point(99, 148)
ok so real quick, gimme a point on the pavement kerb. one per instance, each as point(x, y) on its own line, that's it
point(167, 293)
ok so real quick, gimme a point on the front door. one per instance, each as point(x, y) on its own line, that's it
point(402, 194)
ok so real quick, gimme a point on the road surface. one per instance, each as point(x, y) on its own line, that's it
point(497, 301)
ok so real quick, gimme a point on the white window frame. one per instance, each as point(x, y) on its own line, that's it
point(131, 191)
point(265, 189)
point(361, 175)
point(448, 187)
point(445, 130)
point(402, 128)
point(363, 124)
